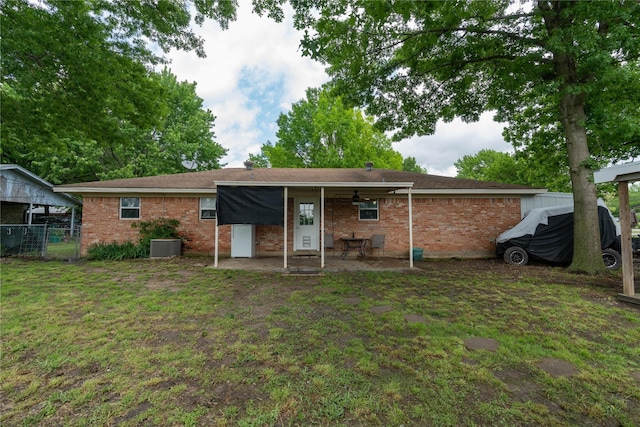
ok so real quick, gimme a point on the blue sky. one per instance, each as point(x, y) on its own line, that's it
point(254, 71)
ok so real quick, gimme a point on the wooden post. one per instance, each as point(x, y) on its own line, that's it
point(410, 207)
point(286, 197)
point(322, 243)
point(627, 252)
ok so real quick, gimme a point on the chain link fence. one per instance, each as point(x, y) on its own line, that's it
point(40, 241)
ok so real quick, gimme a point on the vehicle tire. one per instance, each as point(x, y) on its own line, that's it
point(516, 256)
point(612, 259)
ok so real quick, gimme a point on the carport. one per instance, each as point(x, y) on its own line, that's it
point(23, 190)
point(623, 174)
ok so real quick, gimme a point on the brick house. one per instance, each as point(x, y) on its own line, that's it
point(446, 217)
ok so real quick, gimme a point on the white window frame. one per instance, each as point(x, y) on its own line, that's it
point(203, 209)
point(365, 207)
point(129, 207)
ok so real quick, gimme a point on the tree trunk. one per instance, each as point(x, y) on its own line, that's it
point(587, 251)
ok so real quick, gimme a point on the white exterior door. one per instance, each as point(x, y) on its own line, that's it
point(306, 225)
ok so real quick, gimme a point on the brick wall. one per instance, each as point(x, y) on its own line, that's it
point(101, 222)
point(462, 227)
point(443, 227)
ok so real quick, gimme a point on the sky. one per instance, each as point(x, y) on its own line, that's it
point(254, 71)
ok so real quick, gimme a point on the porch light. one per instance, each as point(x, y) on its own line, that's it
point(368, 166)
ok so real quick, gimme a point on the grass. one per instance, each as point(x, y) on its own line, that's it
point(62, 250)
point(174, 343)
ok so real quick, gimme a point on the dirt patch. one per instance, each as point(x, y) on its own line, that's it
point(557, 367)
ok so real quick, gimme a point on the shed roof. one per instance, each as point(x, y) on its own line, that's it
point(18, 185)
point(384, 179)
point(619, 173)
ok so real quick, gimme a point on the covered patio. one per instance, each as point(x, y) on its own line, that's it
point(309, 222)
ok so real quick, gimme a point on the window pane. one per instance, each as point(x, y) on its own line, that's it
point(369, 214)
point(306, 213)
point(130, 202)
point(130, 213)
point(208, 214)
point(208, 203)
point(369, 204)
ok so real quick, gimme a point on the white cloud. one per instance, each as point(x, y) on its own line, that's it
point(252, 72)
point(255, 70)
point(451, 141)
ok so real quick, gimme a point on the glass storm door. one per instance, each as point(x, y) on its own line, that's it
point(306, 225)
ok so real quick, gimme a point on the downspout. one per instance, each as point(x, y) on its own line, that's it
point(410, 228)
point(322, 227)
point(286, 197)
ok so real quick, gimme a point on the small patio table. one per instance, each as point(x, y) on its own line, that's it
point(358, 243)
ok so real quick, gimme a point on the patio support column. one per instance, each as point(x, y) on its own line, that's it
point(627, 250)
point(30, 213)
point(286, 203)
point(410, 227)
point(321, 227)
point(215, 250)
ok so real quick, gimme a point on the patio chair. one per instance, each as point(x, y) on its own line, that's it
point(328, 242)
point(377, 242)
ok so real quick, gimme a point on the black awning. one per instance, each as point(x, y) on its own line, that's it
point(250, 205)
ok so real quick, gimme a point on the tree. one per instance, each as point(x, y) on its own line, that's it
point(557, 68)
point(321, 132)
point(76, 74)
point(495, 166)
point(183, 140)
point(410, 164)
point(613, 202)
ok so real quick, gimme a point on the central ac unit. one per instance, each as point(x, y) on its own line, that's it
point(162, 248)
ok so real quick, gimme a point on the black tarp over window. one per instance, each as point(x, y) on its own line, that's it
point(250, 205)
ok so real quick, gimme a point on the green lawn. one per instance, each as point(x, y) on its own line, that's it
point(60, 250)
point(157, 342)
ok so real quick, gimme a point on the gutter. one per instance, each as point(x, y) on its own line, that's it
point(152, 190)
point(462, 191)
point(133, 190)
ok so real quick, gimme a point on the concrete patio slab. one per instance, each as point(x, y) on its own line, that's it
point(306, 265)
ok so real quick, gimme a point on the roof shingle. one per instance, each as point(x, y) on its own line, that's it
point(207, 180)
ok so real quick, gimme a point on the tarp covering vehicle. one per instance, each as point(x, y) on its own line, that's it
point(547, 234)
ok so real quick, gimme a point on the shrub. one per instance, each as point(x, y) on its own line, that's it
point(116, 251)
point(161, 228)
